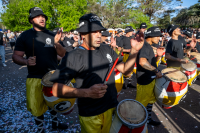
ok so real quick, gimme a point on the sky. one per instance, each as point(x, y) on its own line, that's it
point(186, 4)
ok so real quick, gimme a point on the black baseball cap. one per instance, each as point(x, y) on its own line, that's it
point(188, 33)
point(153, 32)
point(35, 11)
point(198, 35)
point(89, 23)
point(119, 31)
point(128, 29)
point(105, 33)
point(171, 28)
point(143, 25)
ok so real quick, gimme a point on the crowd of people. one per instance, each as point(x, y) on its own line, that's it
point(86, 55)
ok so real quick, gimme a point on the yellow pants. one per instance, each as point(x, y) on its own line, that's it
point(35, 100)
point(97, 124)
point(145, 93)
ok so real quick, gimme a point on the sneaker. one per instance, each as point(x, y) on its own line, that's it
point(154, 123)
point(4, 65)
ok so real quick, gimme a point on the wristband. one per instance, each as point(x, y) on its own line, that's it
point(156, 70)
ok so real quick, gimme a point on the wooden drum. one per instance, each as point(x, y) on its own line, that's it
point(61, 105)
point(171, 88)
point(130, 117)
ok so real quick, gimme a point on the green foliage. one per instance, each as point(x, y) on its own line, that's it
point(70, 12)
point(188, 16)
point(137, 17)
point(61, 13)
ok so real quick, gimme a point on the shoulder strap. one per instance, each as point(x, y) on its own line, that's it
point(81, 47)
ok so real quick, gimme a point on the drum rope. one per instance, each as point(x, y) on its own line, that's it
point(39, 122)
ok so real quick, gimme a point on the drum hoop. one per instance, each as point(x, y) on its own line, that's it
point(175, 81)
point(43, 78)
point(187, 69)
point(132, 126)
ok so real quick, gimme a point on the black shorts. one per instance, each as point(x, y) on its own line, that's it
point(12, 44)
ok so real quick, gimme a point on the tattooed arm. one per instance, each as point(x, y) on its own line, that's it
point(146, 65)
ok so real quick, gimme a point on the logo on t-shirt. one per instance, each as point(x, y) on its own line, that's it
point(109, 59)
point(48, 43)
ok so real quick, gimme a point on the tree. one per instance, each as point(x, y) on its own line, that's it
point(60, 13)
point(70, 12)
point(137, 17)
point(188, 16)
point(117, 13)
point(151, 7)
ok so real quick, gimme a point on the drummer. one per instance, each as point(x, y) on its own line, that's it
point(89, 66)
point(197, 48)
point(175, 48)
point(127, 47)
point(104, 37)
point(41, 49)
point(119, 37)
point(146, 68)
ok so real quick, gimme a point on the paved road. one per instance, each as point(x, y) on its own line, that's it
point(183, 118)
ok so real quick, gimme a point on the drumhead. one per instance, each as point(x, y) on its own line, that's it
point(131, 112)
point(174, 75)
point(196, 55)
point(45, 80)
point(190, 66)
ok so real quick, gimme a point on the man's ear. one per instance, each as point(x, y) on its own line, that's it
point(31, 21)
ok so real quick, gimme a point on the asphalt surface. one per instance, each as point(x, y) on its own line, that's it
point(14, 117)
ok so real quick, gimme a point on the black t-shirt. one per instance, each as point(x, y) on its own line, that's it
point(1, 38)
point(126, 42)
point(89, 67)
point(183, 40)
point(44, 50)
point(175, 49)
point(119, 42)
point(68, 42)
point(155, 45)
point(143, 75)
point(198, 46)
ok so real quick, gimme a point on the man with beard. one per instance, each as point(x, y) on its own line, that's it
point(41, 49)
point(89, 65)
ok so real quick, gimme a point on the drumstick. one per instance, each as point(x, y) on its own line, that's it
point(193, 58)
point(33, 47)
point(164, 73)
point(105, 82)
